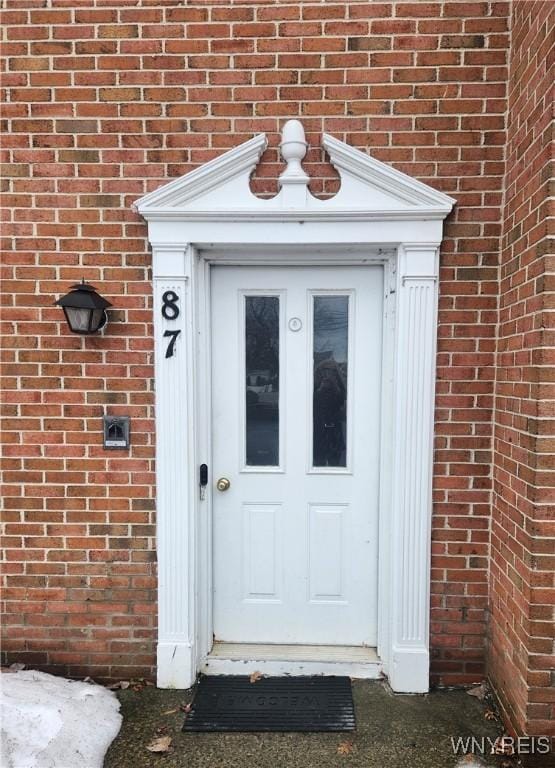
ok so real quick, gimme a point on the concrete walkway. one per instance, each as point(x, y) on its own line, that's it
point(392, 732)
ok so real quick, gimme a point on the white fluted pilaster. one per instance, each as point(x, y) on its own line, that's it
point(175, 518)
point(412, 471)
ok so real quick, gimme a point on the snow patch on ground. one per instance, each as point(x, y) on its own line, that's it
point(51, 722)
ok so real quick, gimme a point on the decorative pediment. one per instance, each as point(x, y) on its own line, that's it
point(220, 188)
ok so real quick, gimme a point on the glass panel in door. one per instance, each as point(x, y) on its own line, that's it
point(262, 381)
point(329, 408)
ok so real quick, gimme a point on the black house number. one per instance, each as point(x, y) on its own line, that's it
point(170, 311)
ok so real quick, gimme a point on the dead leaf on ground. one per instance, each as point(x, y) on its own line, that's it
point(161, 744)
point(137, 684)
point(170, 711)
point(185, 707)
point(480, 691)
point(489, 714)
point(345, 748)
point(256, 676)
point(122, 684)
point(162, 730)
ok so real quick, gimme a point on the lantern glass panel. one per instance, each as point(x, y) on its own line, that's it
point(78, 318)
point(97, 319)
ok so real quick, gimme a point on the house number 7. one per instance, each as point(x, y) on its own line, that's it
point(170, 311)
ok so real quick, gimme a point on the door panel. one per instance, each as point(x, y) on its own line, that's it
point(327, 554)
point(262, 555)
point(296, 357)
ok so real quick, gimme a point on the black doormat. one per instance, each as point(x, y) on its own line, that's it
point(272, 704)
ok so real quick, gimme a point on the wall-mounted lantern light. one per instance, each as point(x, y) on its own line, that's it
point(84, 308)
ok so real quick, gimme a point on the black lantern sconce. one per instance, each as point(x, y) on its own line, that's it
point(84, 308)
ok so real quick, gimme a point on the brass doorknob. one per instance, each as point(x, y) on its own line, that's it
point(223, 484)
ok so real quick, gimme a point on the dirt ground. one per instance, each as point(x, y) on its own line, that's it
point(393, 731)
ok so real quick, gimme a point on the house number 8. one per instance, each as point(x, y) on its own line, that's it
point(170, 311)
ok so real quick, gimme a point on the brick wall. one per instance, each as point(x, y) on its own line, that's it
point(521, 653)
point(105, 103)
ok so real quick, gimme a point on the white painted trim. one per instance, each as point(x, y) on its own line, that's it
point(216, 666)
point(176, 666)
point(202, 376)
point(267, 651)
point(219, 190)
point(415, 362)
point(240, 161)
point(336, 215)
point(354, 229)
point(235, 659)
point(174, 462)
point(386, 453)
point(350, 161)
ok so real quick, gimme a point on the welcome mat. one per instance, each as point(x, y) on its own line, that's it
point(272, 704)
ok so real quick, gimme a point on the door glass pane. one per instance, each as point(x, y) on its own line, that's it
point(262, 380)
point(329, 413)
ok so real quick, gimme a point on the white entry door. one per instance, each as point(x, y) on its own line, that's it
point(296, 371)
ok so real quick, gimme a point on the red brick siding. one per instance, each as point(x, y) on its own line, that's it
point(521, 654)
point(105, 103)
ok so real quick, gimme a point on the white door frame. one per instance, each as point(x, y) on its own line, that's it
point(379, 216)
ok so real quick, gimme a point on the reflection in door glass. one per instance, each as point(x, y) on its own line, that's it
point(331, 341)
point(262, 380)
